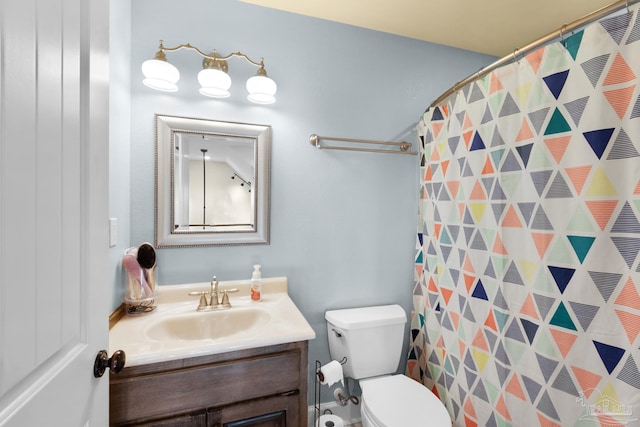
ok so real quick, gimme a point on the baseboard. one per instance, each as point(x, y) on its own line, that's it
point(350, 413)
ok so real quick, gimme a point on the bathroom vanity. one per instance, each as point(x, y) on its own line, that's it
point(242, 366)
point(254, 387)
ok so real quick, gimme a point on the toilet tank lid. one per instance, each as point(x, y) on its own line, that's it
point(366, 317)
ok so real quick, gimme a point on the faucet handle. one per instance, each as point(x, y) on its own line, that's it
point(203, 298)
point(203, 301)
point(197, 293)
point(225, 299)
point(225, 296)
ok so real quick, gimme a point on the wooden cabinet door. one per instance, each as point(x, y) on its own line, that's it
point(274, 411)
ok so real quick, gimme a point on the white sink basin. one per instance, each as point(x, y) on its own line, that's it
point(209, 325)
point(176, 330)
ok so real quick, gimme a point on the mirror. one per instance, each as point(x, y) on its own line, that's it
point(212, 182)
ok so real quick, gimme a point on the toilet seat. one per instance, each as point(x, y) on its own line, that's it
point(399, 401)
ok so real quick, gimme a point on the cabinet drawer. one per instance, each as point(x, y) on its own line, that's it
point(203, 386)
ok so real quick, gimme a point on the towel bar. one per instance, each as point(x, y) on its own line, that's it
point(403, 146)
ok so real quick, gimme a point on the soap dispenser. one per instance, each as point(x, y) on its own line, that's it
point(256, 283)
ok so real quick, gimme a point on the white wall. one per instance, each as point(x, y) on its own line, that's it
point(119, 137)
point(226, 201)
point(342, 223)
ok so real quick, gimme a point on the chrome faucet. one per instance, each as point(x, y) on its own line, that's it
point(214, 302)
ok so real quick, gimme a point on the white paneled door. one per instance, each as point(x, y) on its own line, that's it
point(53, 211)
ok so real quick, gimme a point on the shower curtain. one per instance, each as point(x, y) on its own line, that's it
point(527, 269)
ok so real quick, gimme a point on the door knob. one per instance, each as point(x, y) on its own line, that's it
point(115, 363)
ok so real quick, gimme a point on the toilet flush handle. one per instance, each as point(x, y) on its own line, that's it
point(338, 334)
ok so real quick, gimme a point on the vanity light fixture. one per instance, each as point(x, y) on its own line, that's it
point(214, 81)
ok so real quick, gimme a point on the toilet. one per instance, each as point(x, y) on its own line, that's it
point(368, 341)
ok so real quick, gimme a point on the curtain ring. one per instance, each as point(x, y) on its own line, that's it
point(562, 40)
point(627, 4)
point(515, 51)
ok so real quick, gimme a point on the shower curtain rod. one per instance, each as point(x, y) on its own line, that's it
point(403, 146)
point(561, 32)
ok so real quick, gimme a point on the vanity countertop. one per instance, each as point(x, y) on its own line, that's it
point(175, 330)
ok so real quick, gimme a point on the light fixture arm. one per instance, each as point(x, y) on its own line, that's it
point(217, 57)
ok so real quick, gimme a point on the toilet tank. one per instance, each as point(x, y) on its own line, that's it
point(370, 338)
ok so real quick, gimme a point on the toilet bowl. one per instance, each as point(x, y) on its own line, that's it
point(368, 341)
point(399, 401)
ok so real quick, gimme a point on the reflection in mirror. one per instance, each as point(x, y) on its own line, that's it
point(212, 182)
point(217, 171)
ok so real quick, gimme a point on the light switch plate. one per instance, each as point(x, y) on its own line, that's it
point(113, 232)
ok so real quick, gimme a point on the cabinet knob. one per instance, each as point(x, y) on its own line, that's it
point(115, 363)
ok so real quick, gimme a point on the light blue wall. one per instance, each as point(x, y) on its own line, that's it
point(342, 223)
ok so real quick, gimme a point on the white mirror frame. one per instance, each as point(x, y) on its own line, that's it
point(165, 128)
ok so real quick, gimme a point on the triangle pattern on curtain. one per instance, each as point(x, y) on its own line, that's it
point(527, 295)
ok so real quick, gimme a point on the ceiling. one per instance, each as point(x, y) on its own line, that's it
point(494, 27)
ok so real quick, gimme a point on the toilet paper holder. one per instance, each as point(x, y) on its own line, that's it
point(319, 373)
point(319, 378)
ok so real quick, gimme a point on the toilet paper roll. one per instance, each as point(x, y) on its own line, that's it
point(330, 420)
point(331, 373)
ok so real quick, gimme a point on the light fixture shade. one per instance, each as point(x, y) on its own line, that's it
point(160, 75)
point(261, 90)
point(214, 83)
